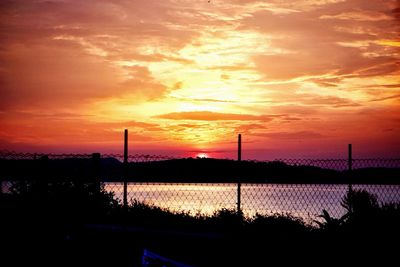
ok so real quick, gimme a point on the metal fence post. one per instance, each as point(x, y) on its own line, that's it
point(239, 173)
point(46, 174)
point(96, 165)
point(350, 162)
point(350, 168)
point(125, 168)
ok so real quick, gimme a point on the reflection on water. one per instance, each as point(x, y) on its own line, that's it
point(303, 200)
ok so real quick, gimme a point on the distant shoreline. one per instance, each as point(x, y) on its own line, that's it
point(191, 170)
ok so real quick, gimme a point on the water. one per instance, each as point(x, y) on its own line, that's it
point(302, 200)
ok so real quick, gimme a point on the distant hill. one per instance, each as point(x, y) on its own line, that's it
point(188, 170)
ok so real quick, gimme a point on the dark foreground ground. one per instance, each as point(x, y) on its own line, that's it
point(75, 226)
point(26, 244)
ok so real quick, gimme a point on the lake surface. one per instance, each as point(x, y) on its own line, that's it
point(303, 200)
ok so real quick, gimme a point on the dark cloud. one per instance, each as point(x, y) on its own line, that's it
point(386, 98)
point(332, 101)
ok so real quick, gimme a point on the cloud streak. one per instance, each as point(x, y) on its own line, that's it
point(193, 74)
point(213, 116)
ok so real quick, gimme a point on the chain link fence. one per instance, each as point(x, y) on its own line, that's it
point(336, 164)
point(11, 155)
point(341, 164)
point(301, 200)
point(378, 176)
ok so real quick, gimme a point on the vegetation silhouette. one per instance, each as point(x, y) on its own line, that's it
point(80, 224)
point(58, 209)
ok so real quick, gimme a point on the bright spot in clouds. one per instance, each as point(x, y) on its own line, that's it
point(201, 155)
point(295, 78)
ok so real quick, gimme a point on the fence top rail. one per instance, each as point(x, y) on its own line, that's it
point(335, 163)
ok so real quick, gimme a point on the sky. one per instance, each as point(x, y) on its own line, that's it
point(299, 78)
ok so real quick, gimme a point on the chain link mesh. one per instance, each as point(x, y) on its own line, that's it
point(11, 155)
point(335, 164)
point(303, 200)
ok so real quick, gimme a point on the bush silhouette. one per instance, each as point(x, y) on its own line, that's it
point(65, 201)
point(359, 201)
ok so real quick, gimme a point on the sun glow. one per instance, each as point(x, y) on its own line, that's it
point(202, 155)
point(185, 107)
point(189, 75)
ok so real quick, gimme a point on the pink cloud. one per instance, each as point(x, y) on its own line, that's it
point(327, 68)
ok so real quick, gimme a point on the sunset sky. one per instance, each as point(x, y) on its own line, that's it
point(299, 78)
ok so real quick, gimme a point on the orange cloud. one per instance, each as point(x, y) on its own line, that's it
point(213, 116)
point(303, 135)
point(193, 74)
